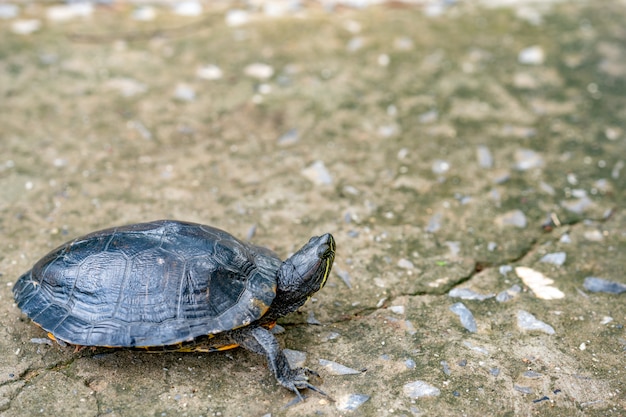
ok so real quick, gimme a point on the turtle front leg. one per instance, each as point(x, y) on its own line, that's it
point(259, 340)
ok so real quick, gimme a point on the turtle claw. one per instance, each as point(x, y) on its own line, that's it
point(299, 380)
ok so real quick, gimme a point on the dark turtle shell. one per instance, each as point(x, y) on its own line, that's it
point(148, 284)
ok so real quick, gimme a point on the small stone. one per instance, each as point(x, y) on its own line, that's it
point(504, 269)
point(515, 218)
point(546, 188)
point(334, 368)
point(526, 159)
point(8, 11)
point(410, 328)
point(593, 235)
point(259, 71)
point(527, 321)
point(289, 137)
point(311, 319)
point(507, 295)
point(41, 341)
point(295, 358)
point(522, 389)
point(188, 8)
point(127, 87)
point(466, 316)
point(352, 402)
point(485, 159)
point(184, 92)
point(455, 247)
point(440, 166)
point(617, 169)
point(405, 264)
point(318, 174)
point(397, 309)
point(410, 364)
point(595, 284)
point(606, 320)
point(144, 13)
point(403, 44)
point(345, 276)
point(532, 374)
point(419, 389)
point(533, 55)
point(445, 367)
point(383, 60)
point(430, 116)
point(236, 17)
point(332, 336)
point(540, 285)
point(65, 12)
point(478, 349)
point(434, 223)
point(556, 258)
point(209, 72)
point(494, 371)
point(387, 131)
point(468, 294)
point(355, 44)
point(25, 26)
point(565, 238)
point(578, 206)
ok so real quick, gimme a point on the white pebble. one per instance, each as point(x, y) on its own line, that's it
point(318, 174)
point(209, 72)
point(259, 71)
point(515, 218)
point(127, 87)
point(468, 294)
point(184, 92)
point(419, 389)
point(533, 55)
point(25, 26)
point(65, 12)
point(295, 358)
point(540, 285)
point(351, 402)
point(527, 321)
point(405, 264)
point(485, 159)
point(397, 309)
point(593, 235)
point(526, 159)
point(236, 18)
point(8, 11)
point(440, 166)
point(556, 258)
point(144, 13)
point(466, 316)
point(334, 368)
point(188, 8)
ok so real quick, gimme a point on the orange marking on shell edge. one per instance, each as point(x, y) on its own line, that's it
point(227, 347)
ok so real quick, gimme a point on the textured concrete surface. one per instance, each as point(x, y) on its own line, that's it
point(447, 147)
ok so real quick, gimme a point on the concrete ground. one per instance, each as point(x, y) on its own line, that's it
point(457, 151)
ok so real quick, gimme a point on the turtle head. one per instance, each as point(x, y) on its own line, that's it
point(303, 274)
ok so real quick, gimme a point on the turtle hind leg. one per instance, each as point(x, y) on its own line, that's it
point(259, 340)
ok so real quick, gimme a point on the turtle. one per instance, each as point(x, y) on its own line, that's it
point(171, 283)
